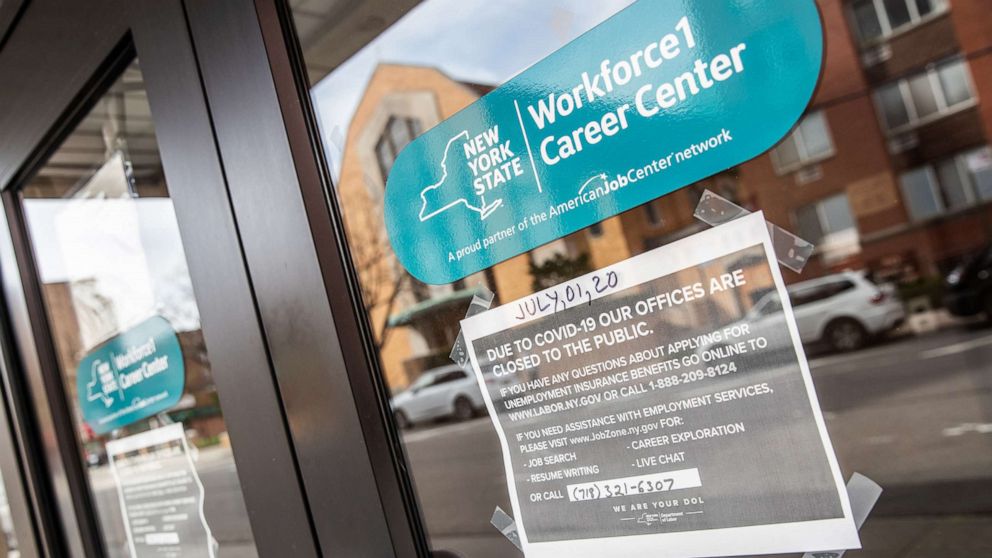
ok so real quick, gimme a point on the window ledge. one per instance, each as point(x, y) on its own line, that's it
point(905, 29)
point(961, 107)
point(795, 167)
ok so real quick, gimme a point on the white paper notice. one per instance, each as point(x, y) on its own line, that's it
point(161, 495)
point(663, 407)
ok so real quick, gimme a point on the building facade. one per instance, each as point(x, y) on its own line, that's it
point(890, 169)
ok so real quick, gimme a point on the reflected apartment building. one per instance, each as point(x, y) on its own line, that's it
point(889, 171)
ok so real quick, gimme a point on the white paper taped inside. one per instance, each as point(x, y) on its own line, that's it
point(651, 407)
point(791, 251)
point(160, 494)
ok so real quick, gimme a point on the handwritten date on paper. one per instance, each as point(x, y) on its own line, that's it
point(583, 289)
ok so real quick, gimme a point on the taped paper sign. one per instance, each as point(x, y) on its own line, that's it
point(654, 408)
point(132, 376)
point(161, 495)
point(661, 95)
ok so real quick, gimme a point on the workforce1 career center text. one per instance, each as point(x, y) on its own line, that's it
point(649, 101)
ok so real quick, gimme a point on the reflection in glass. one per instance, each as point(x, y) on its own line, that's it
point(816, 136)
point(924, 100)
point(926, 7)
point(893, 106)
point(952, 184)
point(109, 256)
point(955, 82)
point(808, 223)
point(837, 214)
point(809, 142)
point(871, 208)
point(897, 12)
point(979, 165)
point(918, 188)
point(869, 26)
point(787, 152)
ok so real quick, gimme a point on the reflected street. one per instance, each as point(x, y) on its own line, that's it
point(913, 414)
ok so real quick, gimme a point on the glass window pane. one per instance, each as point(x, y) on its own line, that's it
point(898, 12)
point(867, 20)
point(923, 98)
point(954, 79)
point(893, 108)
point(385, 156)
point(927, 7)
point(401, 133)
point(951, 185)
point(918, 192)
point(126, 325)
point(434, 58)
point(808, 224)
point(652, 214)
point(816, 136)
point(415, 128)
point(837, 214)
point(979, 166)
point(787, 152)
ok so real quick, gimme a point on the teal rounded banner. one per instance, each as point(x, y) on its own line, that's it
point(132, 376)
point(661, 95)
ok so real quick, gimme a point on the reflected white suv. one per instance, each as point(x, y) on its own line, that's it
point(443, 392)
point(844, 310)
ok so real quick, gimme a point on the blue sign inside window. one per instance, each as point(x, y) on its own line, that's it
point(661, 95)
point(132, 376)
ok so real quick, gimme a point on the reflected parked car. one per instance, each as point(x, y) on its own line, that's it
point(445, 392)
point(844, 310)
point(969, 286)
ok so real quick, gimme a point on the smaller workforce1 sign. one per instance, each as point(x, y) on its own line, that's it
point(132, 376)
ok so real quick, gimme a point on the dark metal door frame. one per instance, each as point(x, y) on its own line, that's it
point(360, 497)
point(351, 459)
point(62, 55)
point(18, 491)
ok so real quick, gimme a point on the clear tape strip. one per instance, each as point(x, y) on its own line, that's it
point(864, 494)
point(792, 252)
point(507, 526)
point(480, 303)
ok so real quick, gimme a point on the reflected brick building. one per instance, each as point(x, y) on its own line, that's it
point(891, 169)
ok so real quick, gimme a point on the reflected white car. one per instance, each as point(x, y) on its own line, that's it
point(446, 392)
point(844, 310)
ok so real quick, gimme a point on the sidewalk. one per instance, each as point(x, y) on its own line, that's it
point(926, 537)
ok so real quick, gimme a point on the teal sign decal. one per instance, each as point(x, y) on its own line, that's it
point(133, 376)
point(661, 95)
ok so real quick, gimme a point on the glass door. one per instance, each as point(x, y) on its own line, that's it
point(896, 290)
point(143, 371)
point(134, 363)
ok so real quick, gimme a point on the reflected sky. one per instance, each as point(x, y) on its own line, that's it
point(466, 39)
